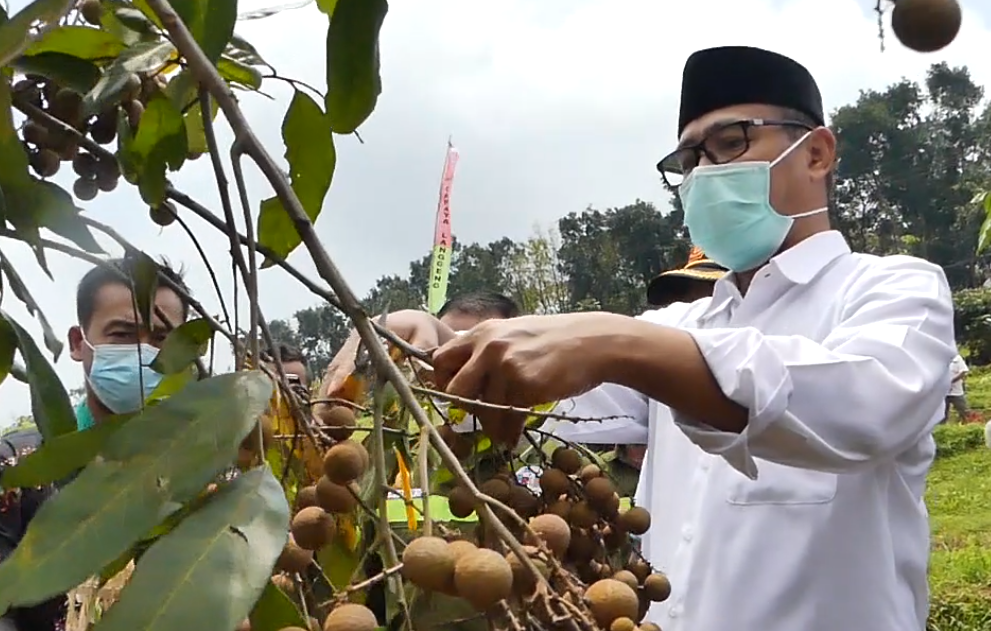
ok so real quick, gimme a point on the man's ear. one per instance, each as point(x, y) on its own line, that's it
point(822, 153)
point(75, 343)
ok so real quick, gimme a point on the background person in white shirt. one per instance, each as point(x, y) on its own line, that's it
point(791, 414)
point(957, 396)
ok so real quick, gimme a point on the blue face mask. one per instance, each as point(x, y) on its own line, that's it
point(120, 375)
point(729, 215)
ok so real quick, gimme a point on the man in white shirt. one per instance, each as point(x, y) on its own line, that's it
point(957, 397)
point(789, 476)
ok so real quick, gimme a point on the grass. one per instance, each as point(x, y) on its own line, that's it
point(959, 502)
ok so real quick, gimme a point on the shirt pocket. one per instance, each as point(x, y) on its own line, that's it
point(782, 485)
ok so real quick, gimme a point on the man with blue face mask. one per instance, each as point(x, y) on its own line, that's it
point(115, 348)
point(789, 477)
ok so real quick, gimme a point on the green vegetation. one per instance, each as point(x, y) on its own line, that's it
point(959, 502)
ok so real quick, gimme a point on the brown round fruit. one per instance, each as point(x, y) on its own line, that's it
point(45, 162)
point(338, 419)
point(636, 520)
point(582, 547)
point(344, 462)
point(336, 498)
point(293, 558)
point(582, 515)
point(561, 508)
point(483, 578)
point(553, 531)
point(104, 128)
point(135, 110)
point(313, 528)
point(599, 492)
point(460, 547)
point(649, 626)
point(92, 11)
point(566, 459)
point(428, 563)
point(926, 25)
point(589, 472)
point(626, 576)
point(461, 502)
point(554, 483)
point(657, 588)
point(106, 184)
point(610, 599)
point(622, 624)
point(163, 215)
point(68, 106)
point(640, 569)
point(84, 189)
point(523, 501)
point(496, 488)
point(284, 582)
point(131, 90)
point(350, 617)
point(35, 134)
point(85, 165)
point(305, 497)
point(524, 581)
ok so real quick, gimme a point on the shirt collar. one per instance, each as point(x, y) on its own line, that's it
point(84, 417)
point(799, 264)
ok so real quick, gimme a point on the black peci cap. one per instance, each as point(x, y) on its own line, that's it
point(733, 75)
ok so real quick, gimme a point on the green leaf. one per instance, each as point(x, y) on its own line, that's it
point(210, 570)
point(83, 42)
point(236, 72)
point(984, 235)
point(49, 206)
point(196, 143)
point(135, 20)
point(8, 346)
point(13, 159)
point(15, 34)
point(50, 405)
point(141, 57)
point(168, 453)
point(170, 384)
point(20, 290)
point(339, 562)
point(159, 144)
point(210, 21)
point(143, 6)
point(65, 70)
point(145, 279)
point(61, 456)
point(275, 611)
point(183, 346)
point(353, 81)
point(242, 50)
point(327, 6)
point(311, 155)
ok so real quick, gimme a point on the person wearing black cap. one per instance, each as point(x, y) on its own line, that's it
point(787, 493)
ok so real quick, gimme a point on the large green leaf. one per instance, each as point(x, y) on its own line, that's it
point(237, 72)
point(159, 144)
point(275, 611)
point(64, 70)
point(60, 457)
point(210, 570)
point(50, 405)
point(13, 159)
point(15, 34)
point(8, 346)
point(84, 42)
point(183, 346)
point(141, 57)
point(210, 21)
point(168, 453)
point(21, 291)
point(311, 155)
point(353, 81)
point(242, 50)
point(45, 204)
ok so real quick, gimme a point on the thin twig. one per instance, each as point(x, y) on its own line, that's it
point(422, 457)
point(472, 403)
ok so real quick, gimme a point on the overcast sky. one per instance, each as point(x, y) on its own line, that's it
point(555, 105)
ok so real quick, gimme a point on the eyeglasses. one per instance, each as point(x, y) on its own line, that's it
point(721, 144)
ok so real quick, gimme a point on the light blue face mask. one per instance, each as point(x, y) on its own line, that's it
point(120, 375)
point(729, 215)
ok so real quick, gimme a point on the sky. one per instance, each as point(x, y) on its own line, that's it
point(554, 106)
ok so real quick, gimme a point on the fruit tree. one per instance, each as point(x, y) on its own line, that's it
point(241, 501)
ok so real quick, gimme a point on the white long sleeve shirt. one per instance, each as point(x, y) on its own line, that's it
point(813, 517)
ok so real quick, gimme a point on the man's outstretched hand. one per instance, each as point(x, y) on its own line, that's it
point(523, 362)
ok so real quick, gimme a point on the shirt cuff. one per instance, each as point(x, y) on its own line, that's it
point(749, 373)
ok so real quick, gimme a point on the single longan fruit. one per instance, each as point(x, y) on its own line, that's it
point(589, 472)
point(622, 624)
point(657, 587)
point(496, 488)
point(553, 531)
point(460, 547)
point(582, 515)
point(312, 528)
point(523, 501)
point(336, 498)
point(524, 582)
point(351, 617)
point(561, 508)
point(582, 547)
point(554, 482)
point(461, 502)
point(344, 462)
point(599, 492)
point(293, 558)
point(461, 445)
point(84, 189)
point(609, 599)
point(428, 563)
point(636, 520)
point(567, 460)
point(926, 26)
point(163, 215)
point(92, 11)
point(483, 578)
point(640, 569)
point(626, 576)
point(338, 419)
point(306, 496)
point(284, 582)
